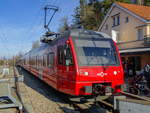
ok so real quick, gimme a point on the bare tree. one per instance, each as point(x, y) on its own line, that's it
point(35, 44)
point(64, 25)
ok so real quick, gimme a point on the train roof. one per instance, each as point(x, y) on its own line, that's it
point(74, 33)
point(82, 32)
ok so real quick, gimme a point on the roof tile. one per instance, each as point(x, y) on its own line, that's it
point(142, 11)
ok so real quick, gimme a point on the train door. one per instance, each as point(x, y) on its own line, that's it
point(49, 69)
point(65, 68)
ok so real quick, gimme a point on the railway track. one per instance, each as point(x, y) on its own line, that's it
point(102, 106)
point(110, 107)
point(136, 96)
point(61, 100)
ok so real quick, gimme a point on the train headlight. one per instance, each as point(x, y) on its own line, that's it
point(86, 73)
point(115, 72)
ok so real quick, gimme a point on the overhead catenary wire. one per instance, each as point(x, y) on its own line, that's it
point(46, 8)
point(38, 22)
point(34, 24)
point(30, 32)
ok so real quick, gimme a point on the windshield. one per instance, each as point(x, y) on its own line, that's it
point(95, 52)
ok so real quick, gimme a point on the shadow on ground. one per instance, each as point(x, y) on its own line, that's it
point(51, 94)
point(45, 90)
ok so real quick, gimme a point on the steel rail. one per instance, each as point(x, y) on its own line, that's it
point(80, 108)
point(135, 96)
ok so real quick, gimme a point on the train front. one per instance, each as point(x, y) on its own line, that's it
point(98, 64)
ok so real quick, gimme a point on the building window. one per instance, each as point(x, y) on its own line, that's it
point(126, 19)
point(137, 63)
point(140, 34)
point(115, 36)
point(133, 65)
point(116, 20)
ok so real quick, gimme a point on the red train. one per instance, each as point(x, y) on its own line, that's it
point(78, 62)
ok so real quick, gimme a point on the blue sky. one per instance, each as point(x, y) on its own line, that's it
point(21, 22)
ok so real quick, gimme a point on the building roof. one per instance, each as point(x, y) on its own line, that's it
point(142, 11)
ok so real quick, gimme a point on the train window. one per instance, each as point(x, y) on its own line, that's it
point(41, 59)
point(60, 55)
point(39, 62)
point(45, 60)
point(64, 55)
point(95, 52)
point(68, 56)
point(36, 61)
point(50, 60)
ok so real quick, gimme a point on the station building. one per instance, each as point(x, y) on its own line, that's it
point(129, 27)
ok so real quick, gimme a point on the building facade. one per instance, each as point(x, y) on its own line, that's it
point(129, 26)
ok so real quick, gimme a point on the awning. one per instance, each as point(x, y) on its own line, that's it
point(134, 50)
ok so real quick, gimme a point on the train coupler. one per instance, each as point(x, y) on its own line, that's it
point(102, 89)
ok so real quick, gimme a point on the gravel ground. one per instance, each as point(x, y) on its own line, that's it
point(38, 97)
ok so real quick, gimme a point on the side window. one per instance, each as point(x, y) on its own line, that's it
point(65, 55)
point(116, 20)
point(140, 34)
point(60, 55)
point(68, 56)
point(37, 61)
point(50, 60)
point(126, 19)
point(40, 61)
point(45, 60)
